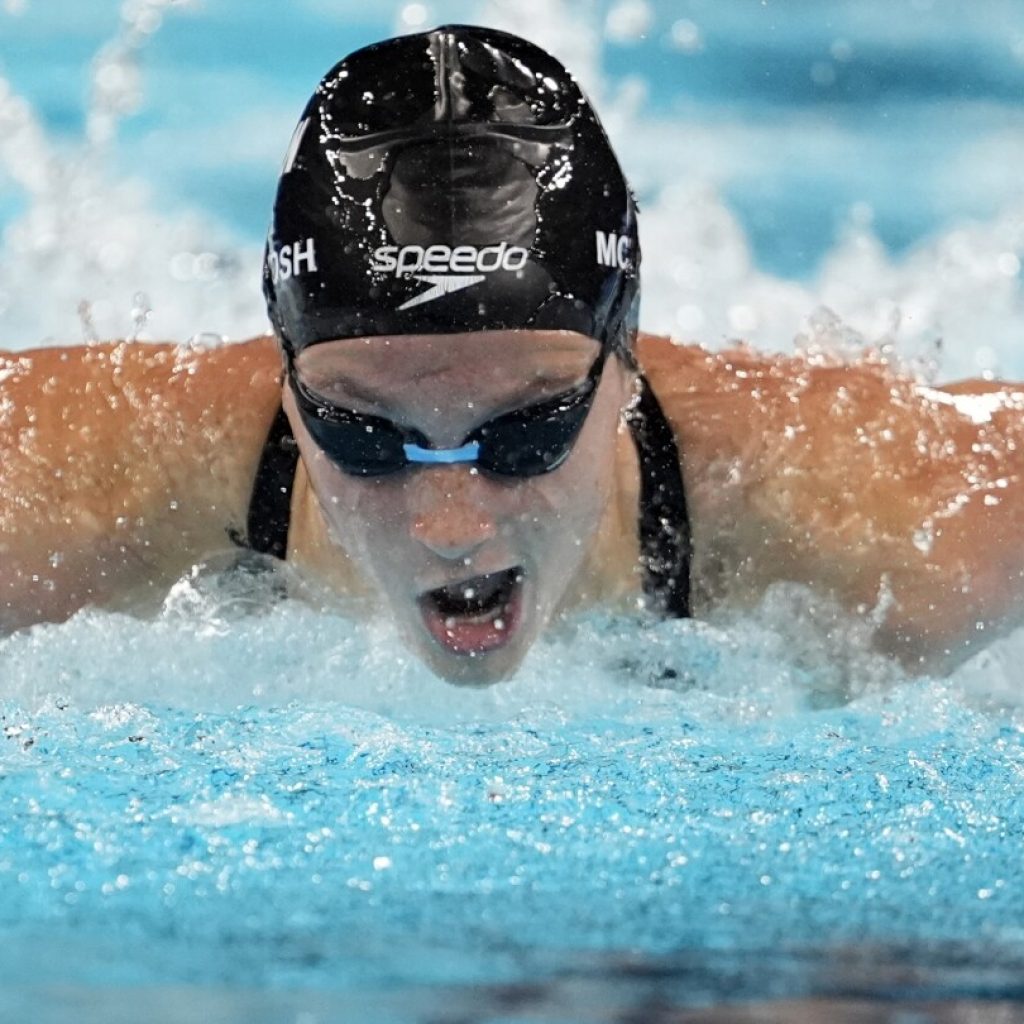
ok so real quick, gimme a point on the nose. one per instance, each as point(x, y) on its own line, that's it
point(450, 512)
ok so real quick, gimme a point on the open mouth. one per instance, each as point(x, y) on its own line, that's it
point(475, 615)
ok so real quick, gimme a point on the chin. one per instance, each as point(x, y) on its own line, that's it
point(472, 670)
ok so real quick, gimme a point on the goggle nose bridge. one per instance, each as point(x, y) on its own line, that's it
point(442, 456)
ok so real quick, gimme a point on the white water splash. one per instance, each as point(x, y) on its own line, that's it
point(954, 300)
point(955, 297)
point(90, 257)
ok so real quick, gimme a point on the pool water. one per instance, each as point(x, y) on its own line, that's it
point(246, 808)
point(270, 799)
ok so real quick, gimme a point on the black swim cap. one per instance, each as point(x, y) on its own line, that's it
point(456, 180)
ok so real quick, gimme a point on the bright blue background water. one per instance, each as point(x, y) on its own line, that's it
point(863, 101)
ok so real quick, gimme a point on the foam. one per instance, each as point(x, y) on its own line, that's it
point(91, 258)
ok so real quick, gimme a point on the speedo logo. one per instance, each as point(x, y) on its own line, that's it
point(444, 268)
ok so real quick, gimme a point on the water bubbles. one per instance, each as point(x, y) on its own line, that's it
point(1008, 264)
point(924, 539)
point(206, 341)
point(113, 78)
point(986, 359)
point(414, 16)
point(689, 318)
point(628, 21)
point(148, 20)
point(88, 234)
point(685, 36)
point(830, 339)
point(85, 319)
point(117, 91)
point(841, 50)
point(112, 256)
point(140, 314)
point(742, 319)
point(191, 266)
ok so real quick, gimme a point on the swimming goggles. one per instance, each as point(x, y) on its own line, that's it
point(525, 442)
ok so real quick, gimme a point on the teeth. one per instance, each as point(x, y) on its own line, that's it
point(478, 600)
point(475, 620)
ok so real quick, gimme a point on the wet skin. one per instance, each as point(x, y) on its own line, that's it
point(122, 465)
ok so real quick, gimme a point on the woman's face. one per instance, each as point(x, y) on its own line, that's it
point(471, 565)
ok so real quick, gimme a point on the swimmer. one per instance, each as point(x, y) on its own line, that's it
point(456, 423)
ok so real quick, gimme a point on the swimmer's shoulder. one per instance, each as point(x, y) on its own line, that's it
point(163, 407)
point(715, 401)
point(125, 462)
point(725, 404)
point(857, 479)
point(727, 410)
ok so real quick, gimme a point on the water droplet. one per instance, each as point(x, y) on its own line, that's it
point(414, 15)
point(628, 22)
point(923, 539)
point(1008, 264)
point(685, 36)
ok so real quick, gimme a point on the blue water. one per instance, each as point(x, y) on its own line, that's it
point(237, 808)
point(912, 86)
point(243, 796)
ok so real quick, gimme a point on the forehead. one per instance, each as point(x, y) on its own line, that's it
point(476, 360)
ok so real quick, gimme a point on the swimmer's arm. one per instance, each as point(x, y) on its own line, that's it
point(121, 466)
point(902, 502)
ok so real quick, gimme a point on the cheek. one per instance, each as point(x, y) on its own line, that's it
point(375, 513)
point(576, 495)
point(588, 474)
point(358, 512)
